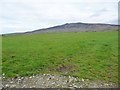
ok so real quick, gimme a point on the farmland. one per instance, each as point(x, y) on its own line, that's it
point(88, 55)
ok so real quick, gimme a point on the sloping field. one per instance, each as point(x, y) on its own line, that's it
point(88, 55)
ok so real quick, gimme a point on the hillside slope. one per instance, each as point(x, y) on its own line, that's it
point(78, 27)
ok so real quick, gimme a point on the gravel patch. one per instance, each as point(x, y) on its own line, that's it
point(53, 81)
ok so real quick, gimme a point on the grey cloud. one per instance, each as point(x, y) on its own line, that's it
point(99, 12)
point(30, 14)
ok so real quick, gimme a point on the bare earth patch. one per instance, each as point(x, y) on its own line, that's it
point(65, 68)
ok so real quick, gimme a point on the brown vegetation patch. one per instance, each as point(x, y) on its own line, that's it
point(65, 68)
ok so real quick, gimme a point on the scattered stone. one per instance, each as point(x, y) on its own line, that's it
point(3, 77)
point(30, 77)
point(75, 86)
point(82, 80)
point(19, 79)
point(7, 85)
point(70, 85)
point(13, 86)
point(53, 81)
point(11, 82)
point(3, 74)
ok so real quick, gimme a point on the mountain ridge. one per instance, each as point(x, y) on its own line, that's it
point(75, 27)
point(78, 27)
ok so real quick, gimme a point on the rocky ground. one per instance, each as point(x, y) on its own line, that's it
point(53, 81)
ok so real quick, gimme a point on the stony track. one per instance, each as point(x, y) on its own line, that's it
point(53, 81)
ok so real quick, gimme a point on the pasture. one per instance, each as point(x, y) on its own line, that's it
point(88, 55)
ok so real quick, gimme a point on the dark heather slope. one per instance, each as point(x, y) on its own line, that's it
point(78, 27)
point(75, 27)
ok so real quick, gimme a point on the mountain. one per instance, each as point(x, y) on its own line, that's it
point(77, 27)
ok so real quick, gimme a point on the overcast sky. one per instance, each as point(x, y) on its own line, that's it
point(28, 15)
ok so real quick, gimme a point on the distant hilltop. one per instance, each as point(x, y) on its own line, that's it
point(76, 27)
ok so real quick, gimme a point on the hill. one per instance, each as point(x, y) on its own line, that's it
point(77, 27)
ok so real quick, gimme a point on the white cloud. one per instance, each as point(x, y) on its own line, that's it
point(26, 15)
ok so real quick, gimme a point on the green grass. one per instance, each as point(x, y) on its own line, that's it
point(88, 55)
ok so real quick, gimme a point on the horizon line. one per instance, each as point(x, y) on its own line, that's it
point(20, 32)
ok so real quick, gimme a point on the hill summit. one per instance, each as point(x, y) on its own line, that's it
point(78, 27)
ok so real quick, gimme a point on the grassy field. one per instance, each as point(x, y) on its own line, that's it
point(88, 55)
